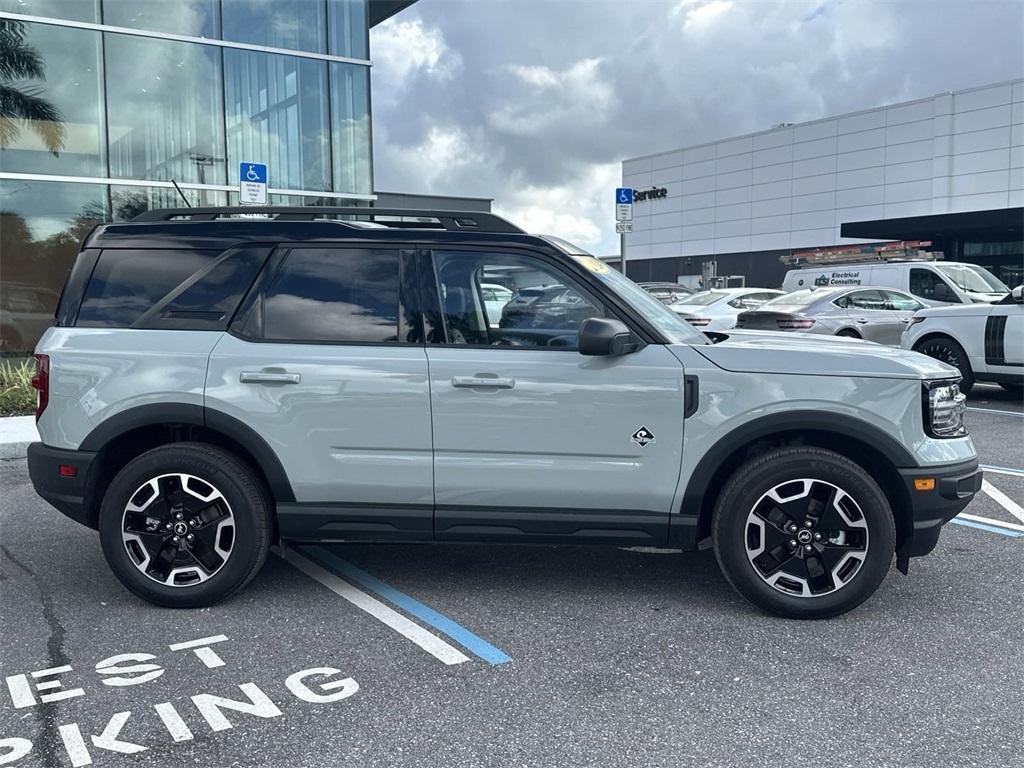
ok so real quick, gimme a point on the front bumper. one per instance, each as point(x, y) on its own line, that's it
point(954, 487)
point(67, 494)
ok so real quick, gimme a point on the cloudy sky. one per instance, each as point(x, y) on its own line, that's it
point(535, 103)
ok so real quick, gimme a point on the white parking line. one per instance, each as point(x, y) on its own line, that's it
point(1003, 500)
point(1002, 470)
point(995, 410)
point(429, 642)
point(990, 521)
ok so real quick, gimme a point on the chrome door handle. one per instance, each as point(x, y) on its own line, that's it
point(863, 320)
point(492, 382)
point(269, 377)
point(904, 319)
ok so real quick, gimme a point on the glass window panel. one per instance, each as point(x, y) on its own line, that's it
point(164, 109)
point(334, 294)
point(41, 226)
point(78, 10)
point(54, 102)
point(128, 202)
point(196, 18)
point(296, 24)
point(348, 28)
point(350, 120)
point(277, 114)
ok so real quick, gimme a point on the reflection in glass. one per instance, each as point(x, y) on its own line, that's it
point(77, 10)
point(41, 226)
point(128, 202)
point(350, 120)
point(347, 27)
point(50, 115)
point(164, 110)
point(195, 18)
point(277, 114)
point(295, 24)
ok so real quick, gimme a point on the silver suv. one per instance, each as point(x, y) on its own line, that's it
point(215, 384)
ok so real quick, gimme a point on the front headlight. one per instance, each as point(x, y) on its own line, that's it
point(944, 408)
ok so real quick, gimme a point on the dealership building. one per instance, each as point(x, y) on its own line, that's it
point(946, 170)
point(113, 102)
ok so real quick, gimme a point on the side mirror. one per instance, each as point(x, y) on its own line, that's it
point(941, 292)
point(605, 337)
point(1017, 295)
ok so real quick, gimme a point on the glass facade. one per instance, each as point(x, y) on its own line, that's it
point(98, 123)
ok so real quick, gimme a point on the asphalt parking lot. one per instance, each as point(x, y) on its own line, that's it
point(463, 655)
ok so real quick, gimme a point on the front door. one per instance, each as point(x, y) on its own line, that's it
point(903, 308)
point(533, 441)
point(869, 314)
point(325, 366)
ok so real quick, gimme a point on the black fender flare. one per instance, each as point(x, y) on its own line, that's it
point(684, 526)
point(155, 414)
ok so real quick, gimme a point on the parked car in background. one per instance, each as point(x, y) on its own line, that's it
point(667, 293)
point(948, 282)
point(875, 314)
point(717, 310)
point(26, 311)
point(984, 341)
point(495, 298)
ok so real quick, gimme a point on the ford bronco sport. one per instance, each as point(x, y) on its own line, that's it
point(216, 383)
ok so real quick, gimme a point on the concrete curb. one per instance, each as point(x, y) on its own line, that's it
point(16, 432)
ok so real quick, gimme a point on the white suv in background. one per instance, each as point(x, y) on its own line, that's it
point(984, 341)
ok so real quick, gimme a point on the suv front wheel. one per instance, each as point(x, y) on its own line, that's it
point(803, 533)
point(185, 525)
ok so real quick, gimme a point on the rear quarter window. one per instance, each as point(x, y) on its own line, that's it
point(168, 289)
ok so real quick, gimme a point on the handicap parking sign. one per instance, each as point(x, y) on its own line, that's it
point(252, 184)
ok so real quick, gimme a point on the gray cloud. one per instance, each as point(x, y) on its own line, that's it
point(536, 103)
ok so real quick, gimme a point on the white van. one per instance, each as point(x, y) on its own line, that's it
point(936, 282)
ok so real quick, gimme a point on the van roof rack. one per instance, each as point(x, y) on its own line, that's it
point(409, 218)
point(911, 250)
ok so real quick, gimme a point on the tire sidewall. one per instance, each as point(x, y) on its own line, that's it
point(229, 476)
point(746, 488)
point(966, 372)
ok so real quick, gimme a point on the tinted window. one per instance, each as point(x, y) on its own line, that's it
point(867, 300)
point(334, 295)
point(923, 283)
point(545, 308)
point(185, 290)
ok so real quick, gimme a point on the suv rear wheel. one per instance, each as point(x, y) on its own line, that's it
point(948, 351)
point(185, 525)
point(803, 533)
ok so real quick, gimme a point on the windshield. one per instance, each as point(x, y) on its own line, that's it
point(657, 314)
point(970, 277)
point(795, 300)
point(703, 299)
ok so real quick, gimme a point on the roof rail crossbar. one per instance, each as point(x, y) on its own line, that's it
point(474, 221)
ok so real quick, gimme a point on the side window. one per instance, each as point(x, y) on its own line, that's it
point(871, 300)
point(901, 302)
point(333, 295)
point(923, 282)
point(544, 309)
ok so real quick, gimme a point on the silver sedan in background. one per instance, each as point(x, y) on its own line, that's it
point(875, 314)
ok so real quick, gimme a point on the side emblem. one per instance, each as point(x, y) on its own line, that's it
point(642, 437)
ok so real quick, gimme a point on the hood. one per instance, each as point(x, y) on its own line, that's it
point(817, 355)
point(956, 310)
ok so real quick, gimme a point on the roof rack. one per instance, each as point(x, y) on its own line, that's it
point(411, 218)
point(833, 256)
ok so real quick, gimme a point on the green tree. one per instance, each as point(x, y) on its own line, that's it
point(20, 102)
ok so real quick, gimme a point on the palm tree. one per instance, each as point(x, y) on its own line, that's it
point(23, 104)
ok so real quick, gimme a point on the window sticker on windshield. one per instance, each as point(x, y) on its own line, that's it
point(596, 266)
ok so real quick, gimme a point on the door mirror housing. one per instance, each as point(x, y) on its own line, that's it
point(605, 337)
point(1017, 295)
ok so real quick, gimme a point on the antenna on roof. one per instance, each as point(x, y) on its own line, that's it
point(187, 203)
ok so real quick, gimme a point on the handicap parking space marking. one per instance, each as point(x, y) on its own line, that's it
point(446, 626)
point(995, 501)
point(1003, 500)
point(986, 524)
point(1002, 470)
point(429, 642)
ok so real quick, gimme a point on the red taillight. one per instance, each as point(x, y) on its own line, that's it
point(67, 470)
point(41, 383)
point(699, 321)
point(796, 324)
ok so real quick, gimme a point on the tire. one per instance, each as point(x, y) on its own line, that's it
point(949, 351)
point(849, 334)
point(208, 497)
point(853, 553)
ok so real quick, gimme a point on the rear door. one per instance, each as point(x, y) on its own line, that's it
point(903, 307)
point(869, 314)
point(1004, 339)
point(533, 441)
point(326, 363)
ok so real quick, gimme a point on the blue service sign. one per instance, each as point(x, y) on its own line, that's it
point(623, 196)
point(254, 173)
